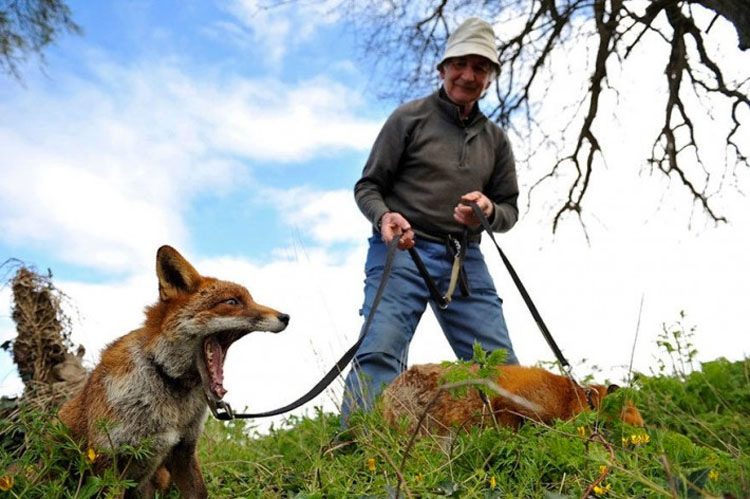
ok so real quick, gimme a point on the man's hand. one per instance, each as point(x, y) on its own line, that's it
point(465, 214)
point(392, 225)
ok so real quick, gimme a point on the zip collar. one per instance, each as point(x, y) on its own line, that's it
point(452, 112)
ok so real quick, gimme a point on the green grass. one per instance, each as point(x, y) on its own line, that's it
point(696, 444)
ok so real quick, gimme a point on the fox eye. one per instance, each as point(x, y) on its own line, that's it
point(232, 301)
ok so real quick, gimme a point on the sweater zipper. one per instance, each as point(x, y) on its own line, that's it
point(462, 157)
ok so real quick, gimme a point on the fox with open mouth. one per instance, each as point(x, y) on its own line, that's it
point(154, 384)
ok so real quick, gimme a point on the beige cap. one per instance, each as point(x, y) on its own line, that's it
point(473, 36)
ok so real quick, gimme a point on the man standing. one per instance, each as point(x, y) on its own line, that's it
point(432, 155)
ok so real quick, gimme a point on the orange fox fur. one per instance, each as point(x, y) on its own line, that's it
point(153, 383)
point(551, 396)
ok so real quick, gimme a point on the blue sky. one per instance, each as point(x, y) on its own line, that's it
point(236, 134)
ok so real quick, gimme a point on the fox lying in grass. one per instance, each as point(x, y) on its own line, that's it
point(152, 385)
point(544, 396)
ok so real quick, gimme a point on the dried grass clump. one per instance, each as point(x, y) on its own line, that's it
point(42, 350)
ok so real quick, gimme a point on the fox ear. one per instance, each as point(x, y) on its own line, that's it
point(612, 389)
point(175, 274)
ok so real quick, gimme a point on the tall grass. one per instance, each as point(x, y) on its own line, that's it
point(694, 445)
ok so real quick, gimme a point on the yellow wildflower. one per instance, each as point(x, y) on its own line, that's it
point(581, 431)
point(30, 471)
point(371, 464)
point(713, 475)
point(91, 455)
point(6, 483)
point(624, 441)
point(418, 477)
point(602, 469)
point(493, 482)
point(640, 439)
point(600, 491)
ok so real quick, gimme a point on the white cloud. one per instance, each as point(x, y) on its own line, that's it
point(272, 29)
point(271, 121)
point(103, 169)
point(89, 217)
point(326, 216)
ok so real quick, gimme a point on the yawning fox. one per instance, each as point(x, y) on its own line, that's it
point(544, 396)
point(153, 384)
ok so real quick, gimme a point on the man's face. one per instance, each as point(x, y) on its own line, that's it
point(465, 78)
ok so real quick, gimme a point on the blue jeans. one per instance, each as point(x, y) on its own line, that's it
point(383, 354)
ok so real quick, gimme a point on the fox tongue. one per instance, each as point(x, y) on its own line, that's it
point(215, 365)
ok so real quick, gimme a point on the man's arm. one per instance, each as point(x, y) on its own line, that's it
point(499, 201)
point(378, 175)
point(502, 189)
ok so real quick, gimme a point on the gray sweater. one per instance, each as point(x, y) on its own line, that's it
point(425, 158)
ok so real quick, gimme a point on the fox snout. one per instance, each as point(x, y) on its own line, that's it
point(284, 319)
point(272, 321)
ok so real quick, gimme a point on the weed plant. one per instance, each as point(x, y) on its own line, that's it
point(696, 443)
point(39, 458)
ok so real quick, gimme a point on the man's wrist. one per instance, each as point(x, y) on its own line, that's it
point(379, 224)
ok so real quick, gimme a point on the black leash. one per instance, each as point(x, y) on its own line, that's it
point(429, 282)
point(522, 289)
point(442, 301)
point(223, 411)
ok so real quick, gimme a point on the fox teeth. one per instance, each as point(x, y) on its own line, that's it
point(214, 360)
point(209, 362)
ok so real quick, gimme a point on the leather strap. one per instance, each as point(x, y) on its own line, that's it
point(431, 286)
point(335, 371)
point(522, 289)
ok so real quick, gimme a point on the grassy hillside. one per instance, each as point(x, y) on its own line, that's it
point(696, 444)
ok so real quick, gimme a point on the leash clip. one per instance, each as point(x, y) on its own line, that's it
point(217, 407)
point(458, 248)
point(456, 245)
